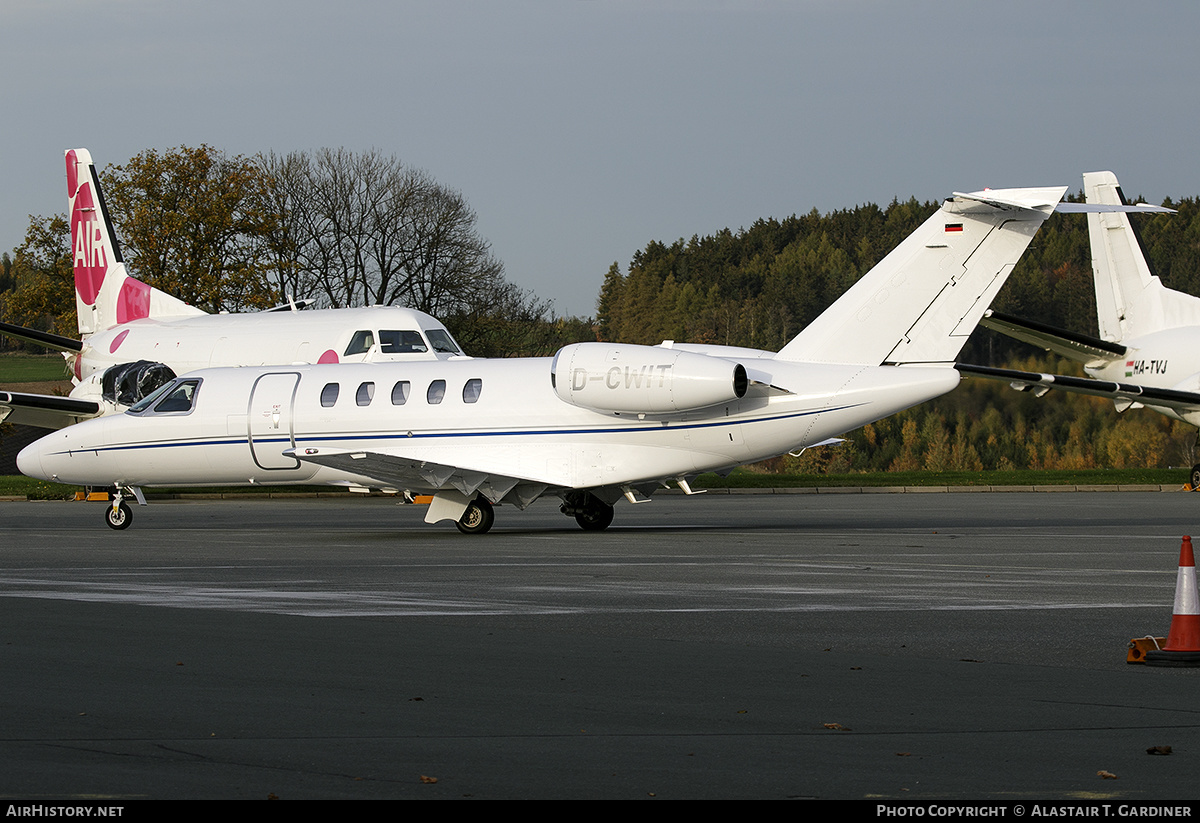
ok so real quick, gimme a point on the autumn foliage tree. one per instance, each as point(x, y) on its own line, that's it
point(193, 222)
point(40, 280)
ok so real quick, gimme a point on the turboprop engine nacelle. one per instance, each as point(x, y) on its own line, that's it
point(643, 379)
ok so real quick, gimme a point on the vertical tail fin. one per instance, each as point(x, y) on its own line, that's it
point(105, 295)
point(921, 302)
point(1130, 300)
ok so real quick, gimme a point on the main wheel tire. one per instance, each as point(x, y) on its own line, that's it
point(118, 518)
point(478, 518)
point(1196, 477)
point(597, 518)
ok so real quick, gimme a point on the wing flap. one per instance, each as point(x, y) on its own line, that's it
point(417, 473)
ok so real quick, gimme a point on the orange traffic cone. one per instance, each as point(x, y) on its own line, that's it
point(1183, 641)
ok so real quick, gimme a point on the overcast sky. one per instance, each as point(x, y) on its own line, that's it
point(579, 130)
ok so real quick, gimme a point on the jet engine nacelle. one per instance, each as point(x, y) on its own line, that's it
point(127, 383)
point(1191, 384)
point(643, 379)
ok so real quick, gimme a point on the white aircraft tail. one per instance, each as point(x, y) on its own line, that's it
point(921, 302)
point(105, 295)
point(1130, 301)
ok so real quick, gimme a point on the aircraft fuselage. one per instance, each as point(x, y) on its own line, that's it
point(273, 425)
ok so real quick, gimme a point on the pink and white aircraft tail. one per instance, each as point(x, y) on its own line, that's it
point(105, 294)
point(133, 337)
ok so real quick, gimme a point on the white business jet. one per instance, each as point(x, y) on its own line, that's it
point(134, 338)
point(1148, 352)
point(595, 423)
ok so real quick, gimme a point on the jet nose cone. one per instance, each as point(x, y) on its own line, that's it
point(29, 461)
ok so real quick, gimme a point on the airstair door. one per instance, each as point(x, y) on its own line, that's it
point(269, 416)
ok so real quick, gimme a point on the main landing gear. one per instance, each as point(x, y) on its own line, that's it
point(478, 518)
point(1195, 477)
point(590, 512)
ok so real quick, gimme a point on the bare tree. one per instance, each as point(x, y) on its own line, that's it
point(362, 229)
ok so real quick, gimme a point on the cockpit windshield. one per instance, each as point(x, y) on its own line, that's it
point(150, 399)
point(176, 397)
point(393, 341)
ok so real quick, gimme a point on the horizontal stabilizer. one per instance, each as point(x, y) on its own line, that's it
point(1104, 208)
point(999, 199)
point(42, 338)
point(1125, 395)
point(45, 411)
point(1081, 347)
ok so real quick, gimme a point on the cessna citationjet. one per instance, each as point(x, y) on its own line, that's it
point(595, 423)
point(1148, 351)
point(134, 338)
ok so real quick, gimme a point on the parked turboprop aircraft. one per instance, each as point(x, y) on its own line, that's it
point(597, 422)
point(1148, 352)
point(135, 338)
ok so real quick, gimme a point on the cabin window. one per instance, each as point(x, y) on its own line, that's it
point(329, 394)
point(472, 390)
point(392, 341)
point(360, 343)
point(365, 393)
point(437, 390)
point(442, 341)
point(181, 398)
point(400, 393)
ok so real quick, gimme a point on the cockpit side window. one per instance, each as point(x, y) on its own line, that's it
point(394, 341)
point(360, 343)
point(442, 341)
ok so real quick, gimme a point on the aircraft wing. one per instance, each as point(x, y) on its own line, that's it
point(45, 411)
point(1123, 395)
point(1081, 347)
point(42, 338)
point(411, 472)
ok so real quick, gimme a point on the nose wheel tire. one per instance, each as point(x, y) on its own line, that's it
point(478, 518)
point(118, 518)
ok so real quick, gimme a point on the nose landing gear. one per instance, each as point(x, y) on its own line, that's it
point(119, 515)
